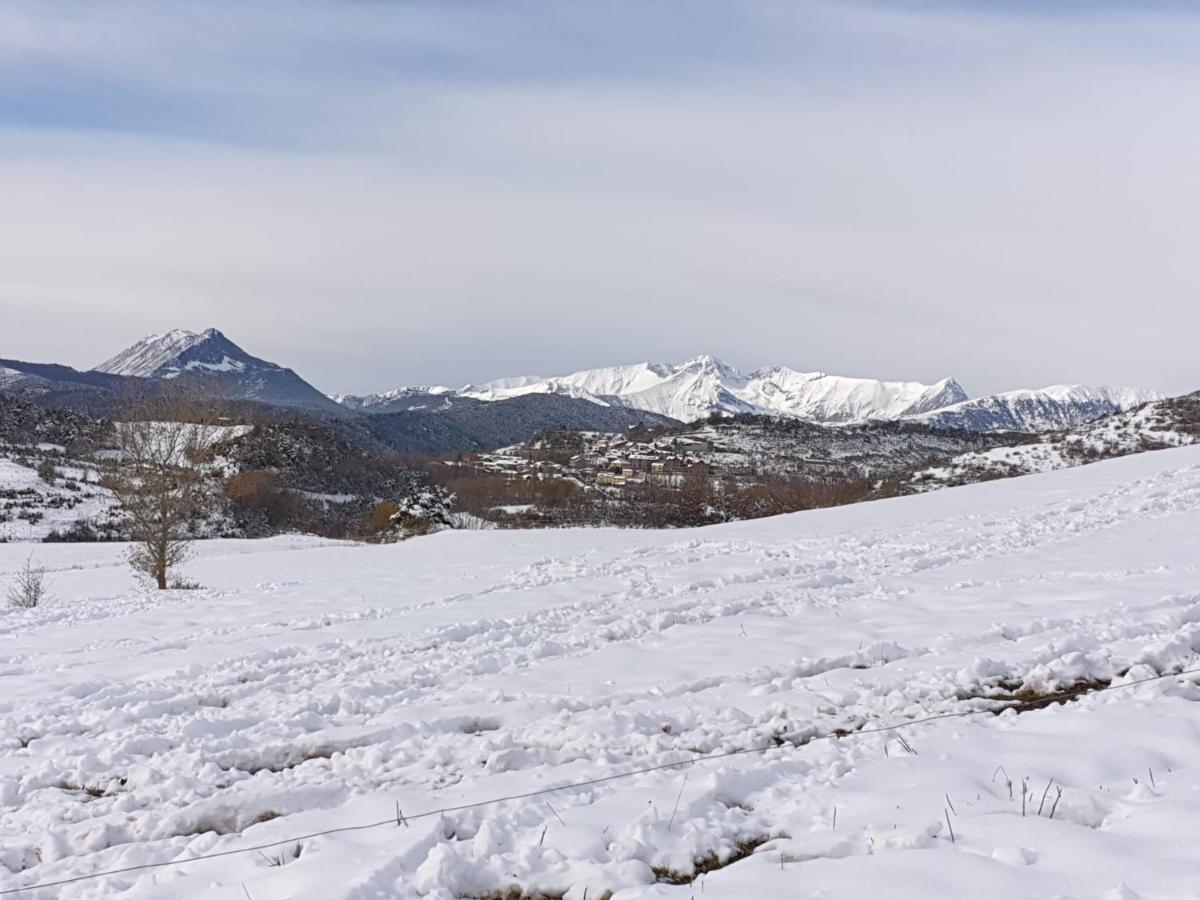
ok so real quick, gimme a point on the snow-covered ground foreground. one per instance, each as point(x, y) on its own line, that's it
point(311, 686)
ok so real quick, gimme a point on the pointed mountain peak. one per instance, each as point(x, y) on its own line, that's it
point(948, 391)
point(706, 362)
point(143, 358)
point(187, 354)
point(169, 354)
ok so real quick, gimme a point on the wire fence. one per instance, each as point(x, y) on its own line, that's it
point(400, 819)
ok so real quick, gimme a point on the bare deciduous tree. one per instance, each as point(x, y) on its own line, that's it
point(28, 589)
point(160, 481)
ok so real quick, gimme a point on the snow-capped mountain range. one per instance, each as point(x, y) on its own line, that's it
point(687, 391)
point(705, 385)
point(698, 388)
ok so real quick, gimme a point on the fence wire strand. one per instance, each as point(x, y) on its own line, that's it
point(780, 744)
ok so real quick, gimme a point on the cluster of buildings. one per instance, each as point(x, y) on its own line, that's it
point(611, 462)
point(617, 461)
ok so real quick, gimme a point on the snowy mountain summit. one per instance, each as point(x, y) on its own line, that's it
point(704, 385)
point(176, 352)
point(209, 353)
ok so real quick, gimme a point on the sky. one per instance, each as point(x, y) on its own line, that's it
point(381, 194)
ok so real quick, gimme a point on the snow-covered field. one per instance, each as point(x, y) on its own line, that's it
point(311, 686)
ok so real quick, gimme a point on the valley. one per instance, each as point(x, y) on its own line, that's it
point(603, 447)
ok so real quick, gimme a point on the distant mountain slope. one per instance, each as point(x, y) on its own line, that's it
point(705, 385)
point(486, 426)
point(43, 376)
point(403, 399)
point(152, 356)
point(213, 358)
point(60, 387)
point(1157, 425)
point(23, 423)
point(818, 397)
point(1052, 408)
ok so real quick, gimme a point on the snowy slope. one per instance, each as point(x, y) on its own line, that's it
point(830, 398)
point(1173, 422)
point(705, 385)
point(11, 379)
point(211, 355)
point(311, 686)
point(31, 508)
point(1047, 409)
point(402, 399)
point(178, 352)
point(153, 354)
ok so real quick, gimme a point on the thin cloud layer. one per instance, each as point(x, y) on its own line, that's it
point(381, 194)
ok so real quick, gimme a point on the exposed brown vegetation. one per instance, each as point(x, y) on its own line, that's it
point(710, 863)
point(1017, 696)
point(256, 494)
point(698, 498)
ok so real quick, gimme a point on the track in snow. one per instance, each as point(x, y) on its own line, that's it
point(315, 685)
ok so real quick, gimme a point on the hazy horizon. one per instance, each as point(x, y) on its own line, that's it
point(387, 194)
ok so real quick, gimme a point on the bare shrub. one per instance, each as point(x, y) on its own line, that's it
point(462, 521)
point(28, 589)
